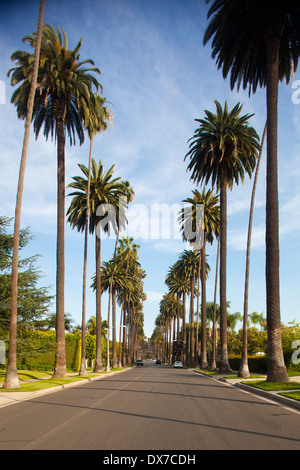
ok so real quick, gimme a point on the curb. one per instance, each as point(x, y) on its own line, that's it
point(256, 391)
point(271, 395)
point(16, 397)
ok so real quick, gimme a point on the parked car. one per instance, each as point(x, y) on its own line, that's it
point(158, 361)
point(139, 362)
point(178, 364)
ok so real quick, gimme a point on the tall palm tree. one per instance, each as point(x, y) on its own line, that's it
point(168, 309)
point(244, 367)
point(99, 117)
point(221, 150)
point(213, 365)
point(179, 281)
point(104, 190)
point(113, 279)
point(61, 105)
point(127, 252)
point(11, 378)
point(258, 43)
point(91, 326)
point(127, 197)
point(174, 284)
point(210, 226)
point(189, 263)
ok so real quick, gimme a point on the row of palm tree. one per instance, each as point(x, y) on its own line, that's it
point(184, 275)
point(59, 93)
point(258, 44)
point(222, 149)
point(122, 277)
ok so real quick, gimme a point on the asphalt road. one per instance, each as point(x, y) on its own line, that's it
point(150, 408)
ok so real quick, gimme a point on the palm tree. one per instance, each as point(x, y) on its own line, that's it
point(222, 149)
point(213, 365)
point(11, 378)
point(174, 284)
point(210, 226)
point(135, 305)
point(99, 117)
point(258, 43)
point(127, 252)
point(61, 105)
point(189, 264)
point(128, 196)
point(91, 326)
point(113, 279)
point(232, 319)
point(168, 309)
point(105, 192)
point(244, 367)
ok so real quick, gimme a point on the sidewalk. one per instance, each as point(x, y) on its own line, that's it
point(272, 395)
point(11, 398)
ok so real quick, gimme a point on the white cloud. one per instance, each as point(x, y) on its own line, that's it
point(154, 296)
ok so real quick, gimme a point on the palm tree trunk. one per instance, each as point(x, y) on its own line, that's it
point(213, 365)
point(224, 364)
point(184, 328)
point(192, 321)
point(114, 325)
point(83, 370)
point(276, 370)
point(98, 363)
point(112, 292)
point(198, 305)
point(124, 362)
point(120, 335)
point(60, 369)
point(107, 368)
point(244, 367)
point(178, 315)
point(11, 378)
point(204, 363)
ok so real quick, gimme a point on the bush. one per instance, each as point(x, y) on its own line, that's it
point(257, 364)
point(36, 350)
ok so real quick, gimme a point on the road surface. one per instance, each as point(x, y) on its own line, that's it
point(150, 408)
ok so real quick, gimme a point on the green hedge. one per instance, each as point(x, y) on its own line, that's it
point(258, 364)
point(36, 350)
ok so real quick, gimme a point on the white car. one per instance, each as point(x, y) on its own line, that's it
point(178, 364)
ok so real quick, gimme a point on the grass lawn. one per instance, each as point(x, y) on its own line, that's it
point(26, 375)
point(207, 371)
point(42, 380)
point(274, 386)
point(293, 395)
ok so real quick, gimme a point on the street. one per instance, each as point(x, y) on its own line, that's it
point(150, 408)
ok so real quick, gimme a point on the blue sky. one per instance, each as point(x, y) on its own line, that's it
point(158, 78)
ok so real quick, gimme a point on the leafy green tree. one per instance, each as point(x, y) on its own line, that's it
point(222, 149)
point(33, 301)
point(257, 43)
